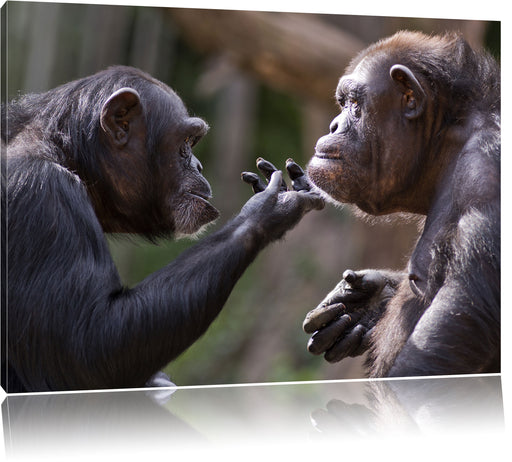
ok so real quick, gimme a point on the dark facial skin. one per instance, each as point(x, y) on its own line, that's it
point(373, 155)
point(177, 192)
point(187, 201)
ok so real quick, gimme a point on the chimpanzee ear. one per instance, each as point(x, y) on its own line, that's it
point(414, 97)
point(119, 114)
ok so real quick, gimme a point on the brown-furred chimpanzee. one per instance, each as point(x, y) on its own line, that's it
point(113, 153)
point(418, 132)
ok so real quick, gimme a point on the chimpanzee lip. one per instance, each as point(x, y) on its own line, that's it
point(204, 197)
point(327, 155)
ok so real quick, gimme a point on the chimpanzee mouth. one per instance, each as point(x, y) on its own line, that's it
point(328, 155)
point(204, 199)
point(198, 195)
point(199, 204)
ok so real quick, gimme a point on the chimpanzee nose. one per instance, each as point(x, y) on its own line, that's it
point(334, 126)
point(196, 164)
point(340, 125)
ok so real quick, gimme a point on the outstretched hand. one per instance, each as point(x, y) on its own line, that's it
point(299, 179)
point(275, 209)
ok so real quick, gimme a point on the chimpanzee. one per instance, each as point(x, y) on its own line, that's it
point(113, 153)
point(418, 132)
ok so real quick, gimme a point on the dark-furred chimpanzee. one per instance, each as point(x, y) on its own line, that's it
point(113, 153)
point(418, 132)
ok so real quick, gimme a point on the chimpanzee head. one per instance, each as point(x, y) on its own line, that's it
point(381, 151)
point(141, 173)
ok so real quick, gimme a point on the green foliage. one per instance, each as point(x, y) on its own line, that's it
point(278, 127)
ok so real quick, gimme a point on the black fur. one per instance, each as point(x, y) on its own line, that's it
point(70, 323)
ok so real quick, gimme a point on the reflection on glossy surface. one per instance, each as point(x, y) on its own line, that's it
point(303, 419)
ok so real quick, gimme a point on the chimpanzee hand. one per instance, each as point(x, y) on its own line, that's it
point(343, 322)
point(274, 209)
point(297, 175)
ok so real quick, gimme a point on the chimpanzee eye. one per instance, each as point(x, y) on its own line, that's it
point(189, 142)
point(355, 106)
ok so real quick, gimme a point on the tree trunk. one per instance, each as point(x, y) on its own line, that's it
point(293, 52)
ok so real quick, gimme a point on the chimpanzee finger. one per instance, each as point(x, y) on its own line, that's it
point(297, 175)
point(325, 338)
point(254, 180)
point(365, 343)
point(273, 186)
point(347, 346)
point(320, 316)
point(267, 168)
point(365, 282)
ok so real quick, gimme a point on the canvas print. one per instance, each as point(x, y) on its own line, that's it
point(197, 197)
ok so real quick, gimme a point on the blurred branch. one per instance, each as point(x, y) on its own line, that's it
point(293, 52)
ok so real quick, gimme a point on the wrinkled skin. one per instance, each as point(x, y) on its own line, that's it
point(282, 207)
point(343, 322)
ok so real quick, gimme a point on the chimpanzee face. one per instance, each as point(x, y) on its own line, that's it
point(180, 172)
point(371, 152)
point(158, 181)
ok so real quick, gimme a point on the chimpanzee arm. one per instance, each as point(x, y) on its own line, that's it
point(450, 338)
point(73, 325)
point(461, 326)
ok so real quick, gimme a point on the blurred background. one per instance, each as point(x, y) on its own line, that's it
point(265, 83)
